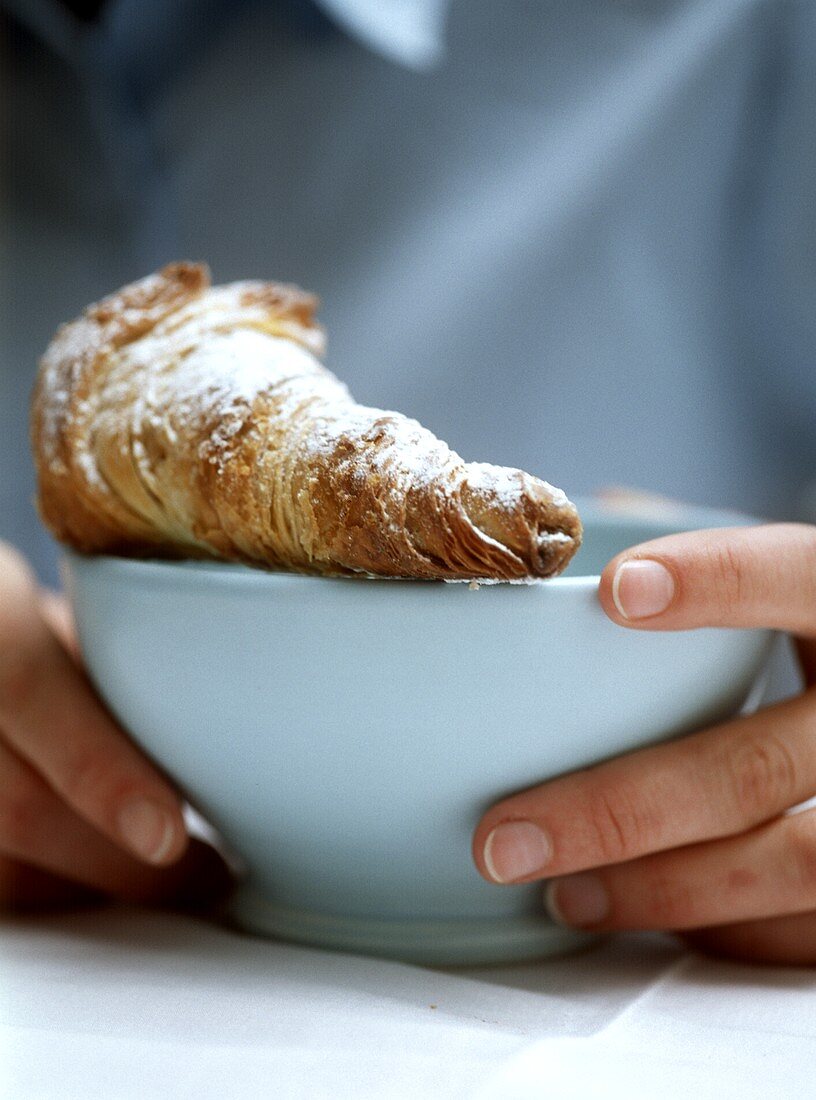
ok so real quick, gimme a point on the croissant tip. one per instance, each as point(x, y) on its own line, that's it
point(558, 534)
point(555, 550)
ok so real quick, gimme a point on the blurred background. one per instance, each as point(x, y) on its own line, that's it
point(574, 236)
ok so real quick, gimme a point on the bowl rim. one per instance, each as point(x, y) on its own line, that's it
point(664, 521)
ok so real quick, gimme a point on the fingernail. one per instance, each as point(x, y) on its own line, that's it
point(147, 829)
point(515, 850)
point(577, 901)
point(642, 588)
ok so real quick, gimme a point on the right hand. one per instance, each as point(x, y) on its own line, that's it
point(82, 813)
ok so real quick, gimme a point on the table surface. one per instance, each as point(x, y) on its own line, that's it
point(123, 1003)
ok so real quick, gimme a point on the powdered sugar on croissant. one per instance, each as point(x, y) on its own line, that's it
point(178, 419)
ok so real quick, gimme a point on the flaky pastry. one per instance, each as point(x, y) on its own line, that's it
point(178, 419)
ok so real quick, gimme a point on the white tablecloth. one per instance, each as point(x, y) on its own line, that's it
point(130, 1004)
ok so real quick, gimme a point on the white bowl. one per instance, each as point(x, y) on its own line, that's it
point(345, 735)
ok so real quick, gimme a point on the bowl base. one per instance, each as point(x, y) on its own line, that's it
point(428, 942)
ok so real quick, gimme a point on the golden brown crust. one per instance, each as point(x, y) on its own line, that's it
point(178, 419)
point(68, 372)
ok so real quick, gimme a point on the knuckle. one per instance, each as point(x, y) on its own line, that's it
point(621, 825)
point(765, 778)
point(733, 586)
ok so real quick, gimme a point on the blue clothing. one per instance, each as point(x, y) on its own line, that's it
point(577, 237)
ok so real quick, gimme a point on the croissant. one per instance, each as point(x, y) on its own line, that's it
point(177, 419)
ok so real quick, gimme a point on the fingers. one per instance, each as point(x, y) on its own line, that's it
point(41, 837)
point(738, 577)
point(708, 785)
point(687, 835)
point(51, 717)
point(765, 872)
point(778, 941)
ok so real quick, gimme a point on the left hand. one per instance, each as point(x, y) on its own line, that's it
point(689, 835)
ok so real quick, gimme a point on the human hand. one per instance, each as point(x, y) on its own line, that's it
point(691, 835)
point(82, 812)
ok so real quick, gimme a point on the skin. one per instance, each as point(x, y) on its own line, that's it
point(67, 772)
point(692, 836)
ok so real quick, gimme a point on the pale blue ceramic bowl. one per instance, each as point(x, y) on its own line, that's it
point(346, 735)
